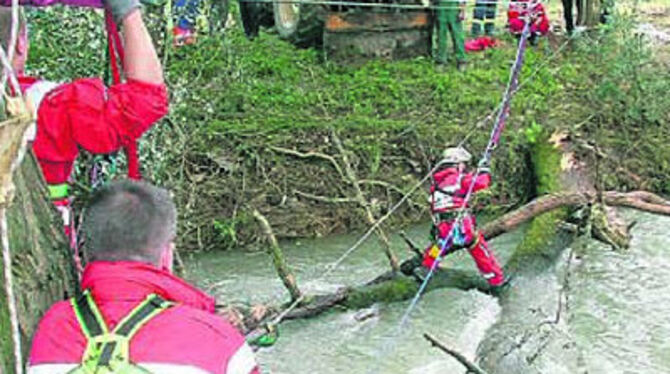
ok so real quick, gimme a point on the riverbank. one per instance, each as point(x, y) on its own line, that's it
point(252, 122)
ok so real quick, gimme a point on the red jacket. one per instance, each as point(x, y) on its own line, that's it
point(519, 9)
point(86, 114)
point(187, 338)
point(450, 187)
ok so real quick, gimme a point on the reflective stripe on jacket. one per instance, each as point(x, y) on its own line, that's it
point(450, 187)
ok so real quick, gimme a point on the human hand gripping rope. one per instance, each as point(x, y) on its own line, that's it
point(496, 132)
point(501, 109)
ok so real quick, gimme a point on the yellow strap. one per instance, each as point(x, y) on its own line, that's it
point(58, 191)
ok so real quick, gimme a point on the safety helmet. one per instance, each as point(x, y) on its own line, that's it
point(455, 155)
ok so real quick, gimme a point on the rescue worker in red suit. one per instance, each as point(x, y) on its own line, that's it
point(447, 197)
point(84, 114)
point(520, 10)
point(133, 315)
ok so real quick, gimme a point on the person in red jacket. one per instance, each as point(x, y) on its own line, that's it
point(451, 183)
point(520, 10)
point(84, 114)
point(133, 315)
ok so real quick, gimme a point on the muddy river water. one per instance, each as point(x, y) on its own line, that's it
point(615, 317)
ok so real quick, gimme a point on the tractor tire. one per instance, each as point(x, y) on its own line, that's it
point(255, 14)
point(302, 25)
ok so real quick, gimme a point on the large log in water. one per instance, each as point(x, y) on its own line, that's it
point(563, 184)
point(41, 264)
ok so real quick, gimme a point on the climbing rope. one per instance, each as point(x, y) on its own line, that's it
point(9, 290)
point(334, 265)
point(9, 55)
point(503, 111)
point(510, 91)
point(530, 77)
point(8, 73)
point(452, 4)
point(486, 157)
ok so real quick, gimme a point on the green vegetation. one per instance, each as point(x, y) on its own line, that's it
point(536, 244)
point(234, 102)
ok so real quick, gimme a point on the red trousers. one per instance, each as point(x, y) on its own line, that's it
point(486, 262)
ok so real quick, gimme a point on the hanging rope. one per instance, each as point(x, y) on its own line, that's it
point(492, 144)
point(8, 56)
point(510, 91)
point(9, 74)
point(9, 290)
point(453, 4)
point(503, 111)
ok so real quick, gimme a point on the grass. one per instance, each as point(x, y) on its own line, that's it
point(232, 100)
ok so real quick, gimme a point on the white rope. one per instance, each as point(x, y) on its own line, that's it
point(532, 75)
point(8, 72)
point(14, 36)
point(9, 290)
point(330, 268)
point(452, 4)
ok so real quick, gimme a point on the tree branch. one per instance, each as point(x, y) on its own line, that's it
point(325, 199)
point(534, 208)
point(278, 257)
point(310, 154)
point(641, 200)
point(472, 368)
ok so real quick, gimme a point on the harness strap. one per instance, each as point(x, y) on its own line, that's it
point(93, 325)
point(58, 191)
point(149, 308)
point(115, 49)
point(89, 316)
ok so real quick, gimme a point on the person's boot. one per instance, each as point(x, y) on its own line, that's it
point(496, 291)
point(408, 266)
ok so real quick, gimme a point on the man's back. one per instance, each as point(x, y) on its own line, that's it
point(185, 338)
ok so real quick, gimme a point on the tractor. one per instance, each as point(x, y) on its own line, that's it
point(352, 31)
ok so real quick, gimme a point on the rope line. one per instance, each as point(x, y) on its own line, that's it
point(334, 265)
point(510, 91)
point(532, 75)
point(453, 4)
point(8, 73)
point(493, 142)
point(9, 290)
point(503, 110)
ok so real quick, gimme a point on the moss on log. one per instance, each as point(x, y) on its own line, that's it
point(546, 159)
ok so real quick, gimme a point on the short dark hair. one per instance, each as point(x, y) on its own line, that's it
point(6, 25)
point(129, 221)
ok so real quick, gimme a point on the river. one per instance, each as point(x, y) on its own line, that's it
point(617, 310)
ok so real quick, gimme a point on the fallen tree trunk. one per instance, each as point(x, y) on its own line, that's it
point(535, 252)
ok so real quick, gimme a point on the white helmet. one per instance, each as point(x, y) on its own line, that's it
point(455, 155)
